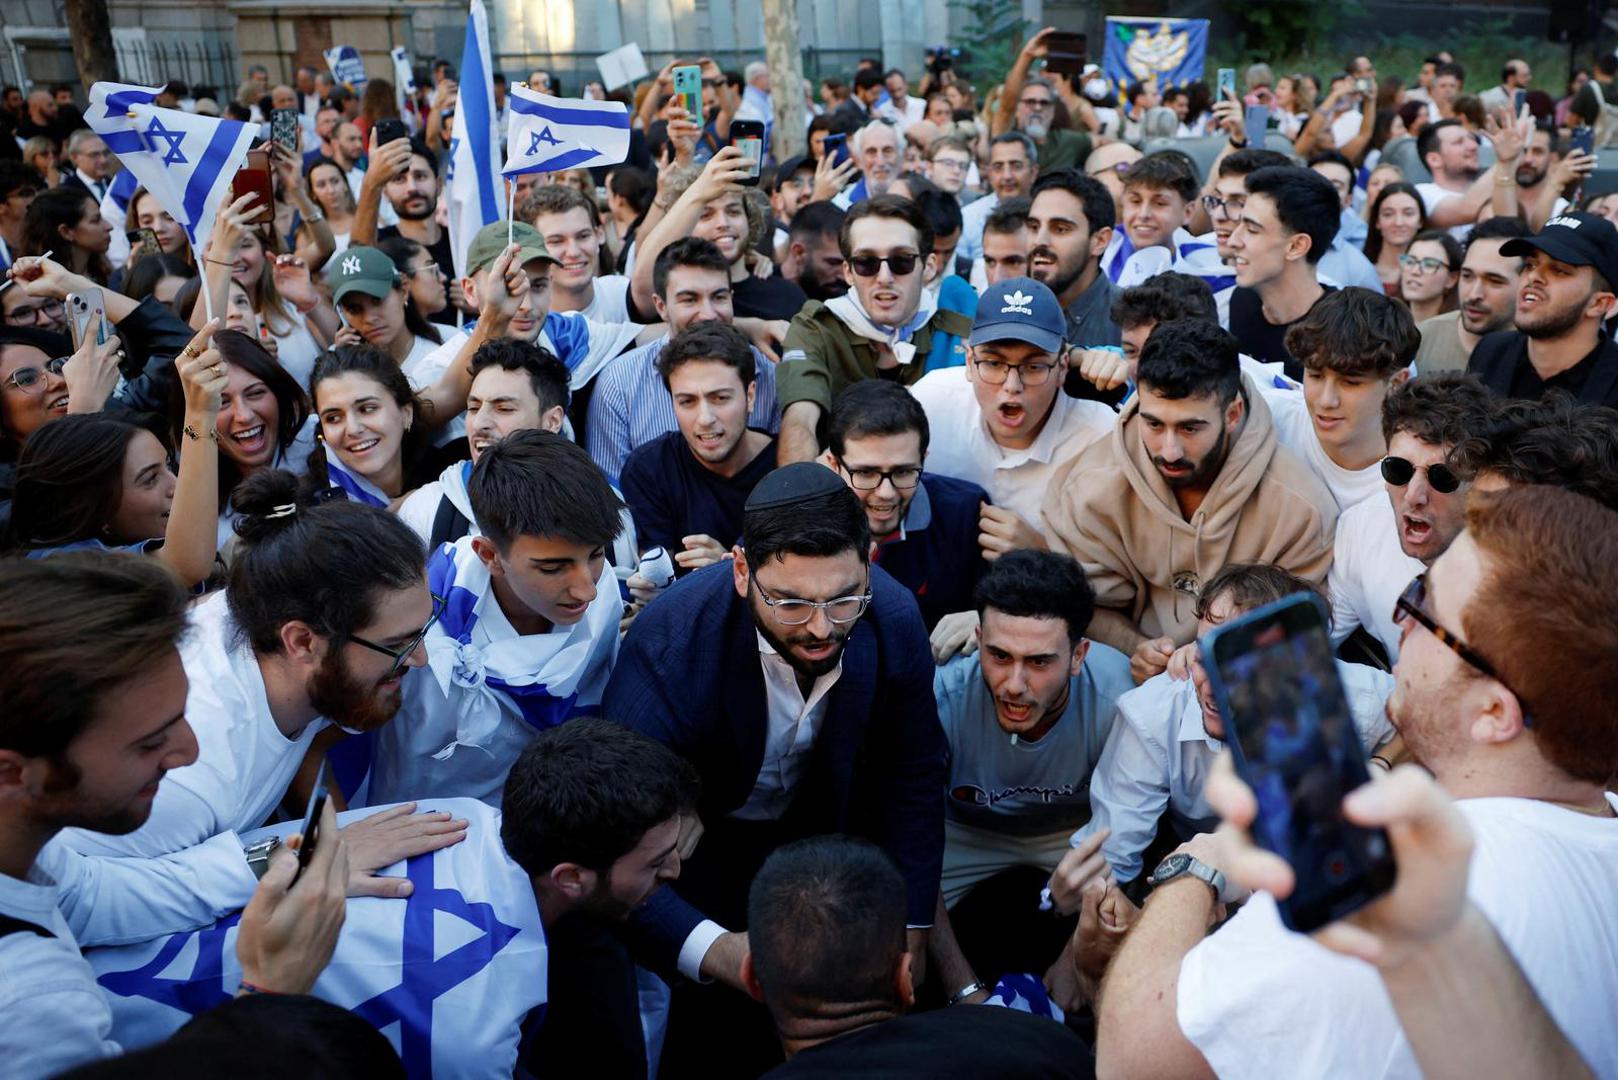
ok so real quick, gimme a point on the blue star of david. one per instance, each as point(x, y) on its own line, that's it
point(543, 136)
point(156, 131)
point(454, 144)
point(423, 979)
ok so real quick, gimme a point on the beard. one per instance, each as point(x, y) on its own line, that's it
point(1036, 128)
point(414, 213)
point(1062, 278)
point(782, 644)
point(1203, 472)
point(348, 701)
point(1553, 324)
point(815, 289)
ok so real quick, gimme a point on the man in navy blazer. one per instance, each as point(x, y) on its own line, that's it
point(797, 679)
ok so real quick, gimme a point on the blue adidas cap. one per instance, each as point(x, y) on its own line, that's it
point(1020, 309)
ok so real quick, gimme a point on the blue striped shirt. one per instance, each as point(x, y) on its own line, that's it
point(631, 406)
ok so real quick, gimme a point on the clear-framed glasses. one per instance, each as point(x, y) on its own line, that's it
point(26, 378)
point(1428, 265)
point(842, 610)
point(429, 268)
point(402, 656)
point(1031, 372)
point(904, 478)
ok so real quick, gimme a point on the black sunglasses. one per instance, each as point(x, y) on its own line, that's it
point(1412, 604)
point(1397, 471)
point(401, 657)
point(900, 262)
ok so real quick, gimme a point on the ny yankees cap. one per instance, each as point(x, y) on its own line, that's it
point(362, 269)
point(1575, 238)
point(1020, 309)
point(491, 241)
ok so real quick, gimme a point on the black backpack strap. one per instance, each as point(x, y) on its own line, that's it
point(10, 925)
point(449, 525)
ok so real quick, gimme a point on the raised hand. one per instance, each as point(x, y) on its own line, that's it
point(91, 373)
point(203, 377)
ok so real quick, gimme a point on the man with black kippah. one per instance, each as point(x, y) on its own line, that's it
point(797, 678)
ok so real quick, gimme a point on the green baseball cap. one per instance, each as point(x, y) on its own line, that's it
point(491, 241)
point(362, 269)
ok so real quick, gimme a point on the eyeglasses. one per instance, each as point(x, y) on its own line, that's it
point(41, 314)
point(904, 477)
point(26, 378)
point(900, 262)
point(430, 268)
point(713, 82)
point(842, 611)
point(1121, 169)
point(1231, 207)
point(1031, 372)
point(401, 657)
point(1035, 104)
point(1426, 266)
point(1397, 471)
point(952, 164)
point(1412, 604)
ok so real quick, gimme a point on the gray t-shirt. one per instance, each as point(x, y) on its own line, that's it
point(1023, 788)
point(1441, 348)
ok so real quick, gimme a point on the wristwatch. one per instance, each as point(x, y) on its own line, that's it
point(259, 853)
point(1179, 864)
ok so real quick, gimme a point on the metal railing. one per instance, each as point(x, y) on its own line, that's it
point(209, 62)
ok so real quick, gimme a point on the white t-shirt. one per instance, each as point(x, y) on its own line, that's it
point(296, 350)
point(1431, 196)
point(1297, 433)
point(611, 302)
point(962, 447)
point(1260, 1001)
point(1368, 572)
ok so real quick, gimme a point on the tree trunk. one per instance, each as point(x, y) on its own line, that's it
point(786, 77)
point(90, 29)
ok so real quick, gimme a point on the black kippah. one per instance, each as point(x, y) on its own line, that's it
point(795, 483)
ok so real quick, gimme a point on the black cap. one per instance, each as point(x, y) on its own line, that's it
point(788, 168)
point(795, 483)
point(1575, 238)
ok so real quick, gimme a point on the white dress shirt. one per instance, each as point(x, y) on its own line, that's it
point(794, 720)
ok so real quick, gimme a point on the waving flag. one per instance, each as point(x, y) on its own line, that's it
point(474, 148)
point(186, 161)
point(1169, 51)
point(404, 86)
point(549, 134)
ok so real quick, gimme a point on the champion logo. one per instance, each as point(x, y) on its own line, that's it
point(1018, 302)
point(1565, 222)
point(351, 265)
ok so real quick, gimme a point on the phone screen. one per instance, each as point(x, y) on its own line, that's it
point(1227, 84)
point(311, 819)
point(1295, 744)
point(688, 87)
point(1065, 53)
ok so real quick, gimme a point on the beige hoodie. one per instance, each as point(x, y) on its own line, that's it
point(1110, 508)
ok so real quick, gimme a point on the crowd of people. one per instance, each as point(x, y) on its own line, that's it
point(748, 625)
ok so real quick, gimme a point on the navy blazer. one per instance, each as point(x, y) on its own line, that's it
point(689, 675)
point(939, 559)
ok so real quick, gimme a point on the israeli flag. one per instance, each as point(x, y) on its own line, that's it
point(447, 975)
point(474, 148)
point(404, 86)
point(185, 160)
point(549, 134)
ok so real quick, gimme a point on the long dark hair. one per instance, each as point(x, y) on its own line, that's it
point(70, 480)
point(293, 404)
point(51, 210)
point(1373, 235)
point(401, 249)
point(142, 275)
point(415, 448)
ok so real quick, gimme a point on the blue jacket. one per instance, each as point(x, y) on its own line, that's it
point(689, 676)
point(938, 560)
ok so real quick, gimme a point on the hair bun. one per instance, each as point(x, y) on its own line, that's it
point(268, 502)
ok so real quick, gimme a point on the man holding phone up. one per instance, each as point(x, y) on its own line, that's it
point(1511, 712)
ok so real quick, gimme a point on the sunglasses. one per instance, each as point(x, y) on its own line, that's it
point(900, 262)
point(27, 378)
point(1412, 604)
point(1440, 477)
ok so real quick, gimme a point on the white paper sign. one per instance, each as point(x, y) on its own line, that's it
point(622, 66)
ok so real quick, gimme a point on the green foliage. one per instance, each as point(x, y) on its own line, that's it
point(991, 40)
point(1281, 27)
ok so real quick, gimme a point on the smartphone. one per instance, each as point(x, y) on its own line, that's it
point(1365, 85)
point(1294, 742)
point(1583, 138)
point(1066, 53)
point(318, 798)
point(284, 129)
point(142, 242)
point(1519, 100)
point(837, 147)
point(83, 308)
point(1226, 86)
point(1256, 120)
point(748, 137)
point(688, 88)
point(253, 178)
point(390, 129)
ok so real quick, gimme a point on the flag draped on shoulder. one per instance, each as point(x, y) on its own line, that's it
point(474, 149)
point(549, 134)
point(185, 160)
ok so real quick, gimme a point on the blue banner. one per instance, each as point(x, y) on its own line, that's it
point(1170, 51)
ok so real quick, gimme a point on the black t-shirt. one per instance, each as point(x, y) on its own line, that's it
point(1257, 336)
point(1501, 361)
point(966, 1042)
point(444, 256)
point(672, 496)
point(766, 298)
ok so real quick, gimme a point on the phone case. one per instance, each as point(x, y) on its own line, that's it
point(82, 308)
point(688, 85)
point(1227, 84)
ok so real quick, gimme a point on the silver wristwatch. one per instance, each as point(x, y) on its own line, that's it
point(1180, 864)
point(259, 853)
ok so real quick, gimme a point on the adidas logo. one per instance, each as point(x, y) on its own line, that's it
point(351, 265)
point(1018, 303)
